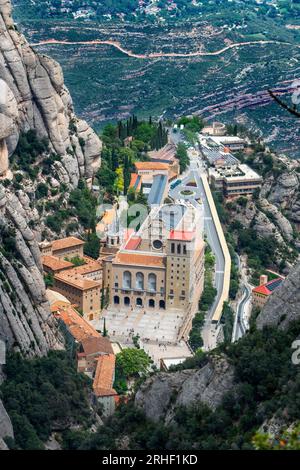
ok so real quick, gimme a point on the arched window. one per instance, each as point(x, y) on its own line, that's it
point(116, 300)
point(126, 301)
point(151, 303)
point(139, 302)
point(139, 281)
point(162, 304)
point(152, 282)
point(127, 280)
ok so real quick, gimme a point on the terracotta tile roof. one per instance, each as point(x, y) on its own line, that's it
point(104, 377)
point(151, 166)
point(55, 264)
point(268, 288)
point(135, 181)
point(67, 242)
point(91, 266)
point(181, 235)
point(133, 243)
point(140, 259)
point(95, 345)
point(77, 281)
point(77, 325)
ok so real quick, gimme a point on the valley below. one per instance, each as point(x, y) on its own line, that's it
point(117, 68)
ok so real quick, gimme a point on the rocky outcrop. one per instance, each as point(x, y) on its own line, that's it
point(6, 429)
point(162, 393)
point(35, 84)
point(25, 319)
point(280, 221)
point(265, 227)
point(283, 306)
point(33, 96)
point(285, 193)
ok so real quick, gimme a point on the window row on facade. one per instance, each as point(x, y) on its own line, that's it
point(139, 281)
point(139, 302)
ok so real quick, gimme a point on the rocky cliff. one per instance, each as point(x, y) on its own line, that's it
point(162, 393)
point(283, 307)
point(33, 97)
point(275, 211)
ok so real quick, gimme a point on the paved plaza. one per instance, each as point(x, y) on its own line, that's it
point(157, 330)
point(158, 326)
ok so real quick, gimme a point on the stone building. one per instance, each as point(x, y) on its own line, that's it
point(161, 266)
point(84, 293)
point(69, 247)
point(261, 293)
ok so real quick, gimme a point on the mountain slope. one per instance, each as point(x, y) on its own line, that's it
point(35, 83)
point(33, 102)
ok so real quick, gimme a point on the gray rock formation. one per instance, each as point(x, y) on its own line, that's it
point(162, 393)
point(6, 429)
point(285, 193)
point(33, 96)
point(283, 306)
point(265, 227)
point(35, 83)
point(280, 221)
point(25, 319)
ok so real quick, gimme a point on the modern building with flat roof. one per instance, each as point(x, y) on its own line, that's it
point(234, 181)
point(234, 143)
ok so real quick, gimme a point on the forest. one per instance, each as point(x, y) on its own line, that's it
point(266, 385)
point(123, 144)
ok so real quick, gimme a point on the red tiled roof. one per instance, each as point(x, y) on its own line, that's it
point(181, 235)
point(133, 243)
point(264, 288)
point(151, 166)
point(67, 242)
point(55, 264)
point(134, 177)
point(77, 281)
point(77, 325)
point(104, 377)
point(261, 290)
point(95, 345)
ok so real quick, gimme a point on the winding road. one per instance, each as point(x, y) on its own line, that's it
point(239, 328)
point(155, 55)
point(209, 331)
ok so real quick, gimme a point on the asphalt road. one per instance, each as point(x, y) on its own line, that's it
point(239, 326)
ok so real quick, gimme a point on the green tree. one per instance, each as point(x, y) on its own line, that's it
point(132, 361)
